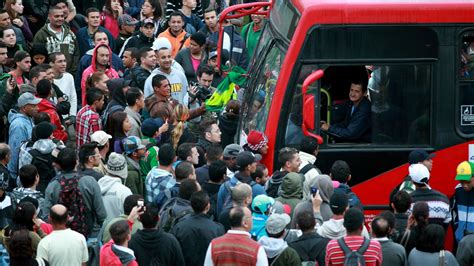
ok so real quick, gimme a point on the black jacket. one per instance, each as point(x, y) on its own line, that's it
point(228, 126)
point(194, 235)
point(151, 246)
point(311, 247)
point(138, 76)
point(138, 41)
point(356, 127)
point(275, 182)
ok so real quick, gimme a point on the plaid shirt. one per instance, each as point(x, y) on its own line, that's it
point(158, 186)
point(87, 122)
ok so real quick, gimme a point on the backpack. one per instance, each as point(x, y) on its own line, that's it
point(307, 168)
point(70, 196)
point(44, 165)
point(354, 258)
point(228, 197)
point(108, 111)
point(23, 154)
point(173, 211)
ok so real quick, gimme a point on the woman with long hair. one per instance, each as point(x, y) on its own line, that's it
point(14, 9)
point(112, 10)
point(228, 122)
point(417, 222)
point(180, 134)
point(119, 125)
point(21, 250)
point(153, 9)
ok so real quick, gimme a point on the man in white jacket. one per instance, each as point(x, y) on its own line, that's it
point(309, 151)
point(111, 187)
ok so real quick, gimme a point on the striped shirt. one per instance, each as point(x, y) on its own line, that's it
point(437, 202)
point(335, 255)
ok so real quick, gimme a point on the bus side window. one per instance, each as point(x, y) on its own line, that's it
point(465, 95)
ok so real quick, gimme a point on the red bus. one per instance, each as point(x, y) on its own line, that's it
point(417, 58)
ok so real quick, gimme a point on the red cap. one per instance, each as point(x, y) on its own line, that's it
point(256, 140)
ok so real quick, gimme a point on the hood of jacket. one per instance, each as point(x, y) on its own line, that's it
point(20, 192)
point(46, 104)
point(325, 186)
point(117, 94)
point(332, 229)
point(148, 238)
point(106, 183)
point(306, 157)
point(158, 175)
point(143, 38)
point(14, 115)
point(292, 186)
point(44, 146)
point(94, 57)
point(228, 124)
point(273, 246)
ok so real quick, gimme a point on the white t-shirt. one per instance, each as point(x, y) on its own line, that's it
point(63, 247)
point(66, 85)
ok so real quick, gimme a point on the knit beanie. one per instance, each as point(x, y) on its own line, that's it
point(256, 140)
point(117, 165)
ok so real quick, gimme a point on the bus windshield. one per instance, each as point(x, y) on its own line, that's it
point(261, 88)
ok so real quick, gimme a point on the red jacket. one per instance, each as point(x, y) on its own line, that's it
point(108, 257)
point(49, 107)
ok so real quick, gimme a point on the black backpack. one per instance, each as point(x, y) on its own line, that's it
point(70, 196)
point(44, 165)
point(354, 258)
point(307, 168)
point(173, 211)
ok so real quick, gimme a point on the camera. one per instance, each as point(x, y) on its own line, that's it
point(202, 93)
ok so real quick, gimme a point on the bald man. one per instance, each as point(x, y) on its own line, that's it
point(63, 246)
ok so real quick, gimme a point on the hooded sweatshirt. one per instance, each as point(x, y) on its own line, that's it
point(291, 190)
point(49, 107)
point(114, 255)
point(109, 71)
point(334, 229)
point(113, 194)
point(20, 130)
point(151, 245)
point(159, 182)
point(278, 252)
point(273, 185)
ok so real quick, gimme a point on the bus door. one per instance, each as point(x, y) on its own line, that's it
point(398, 77)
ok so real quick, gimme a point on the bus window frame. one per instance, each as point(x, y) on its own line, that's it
point(459, 81)
point(323, 65)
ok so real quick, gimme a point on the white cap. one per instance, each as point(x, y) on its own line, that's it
point(161, 42)
point(100, 137)
point(419, 174)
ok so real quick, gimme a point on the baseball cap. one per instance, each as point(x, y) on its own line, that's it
point(464, 172)
point(147, 21)
point(44, 130)
point(27, 98)
point(418, 156)
point(419, 174)
point(131, 144)
point(256, 140)
point(246, 158)
point(150, 126)
point(232, 150)
point(338, 202)
point(161, 42)
point(212, 54)
point(100, 137)
point(127, 20)
point(262, 203)
point(276, 223)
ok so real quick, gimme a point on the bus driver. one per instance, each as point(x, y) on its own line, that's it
point(357, 124)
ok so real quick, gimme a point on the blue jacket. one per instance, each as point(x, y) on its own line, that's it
point(354, 200)
point(357, 124)
point(85, 41)
point(223, 194)
point(258, 228)
point(463, 211)
point(20, 130)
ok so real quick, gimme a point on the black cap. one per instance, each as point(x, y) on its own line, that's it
point(246, 158)
point(338, 202)
point(418, 156)
point(44, 130)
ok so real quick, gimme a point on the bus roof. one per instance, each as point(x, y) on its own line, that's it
point(387, 11)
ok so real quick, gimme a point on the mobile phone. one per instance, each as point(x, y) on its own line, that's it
point(314, 190)
point(140, 204)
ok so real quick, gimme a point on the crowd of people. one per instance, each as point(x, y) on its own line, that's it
point(111, 155)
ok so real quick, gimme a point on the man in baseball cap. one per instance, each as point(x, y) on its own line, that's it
point(278, 251)
point(102, 140)
point(230, 154)
point(134, 151)
point(423, 157)
point(463, 203)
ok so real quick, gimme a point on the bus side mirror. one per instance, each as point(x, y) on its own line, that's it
point(309, 105)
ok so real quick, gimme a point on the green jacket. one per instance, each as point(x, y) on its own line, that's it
point(68, 45)
point(289, 257)
point(151, 157)
point(251, 38)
